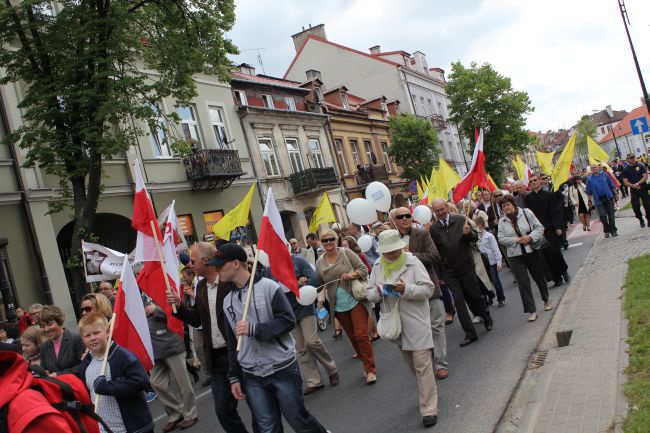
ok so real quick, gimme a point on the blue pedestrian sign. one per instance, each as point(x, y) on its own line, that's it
point(639, 125)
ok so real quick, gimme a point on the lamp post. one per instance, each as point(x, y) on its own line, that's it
point(618, 152)
point(626, 22)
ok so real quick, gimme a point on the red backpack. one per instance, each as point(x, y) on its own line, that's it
point(67, 394)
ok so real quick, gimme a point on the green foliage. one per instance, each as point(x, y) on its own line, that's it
point(482, 98)
point(585, 128)
point(637, 308)
point(414, 145)
point(91, 71)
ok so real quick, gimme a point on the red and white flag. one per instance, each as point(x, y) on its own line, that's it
point(170, 241)
point(143, 214)
point(273, 242)
point(477, 176)
point(131, 329)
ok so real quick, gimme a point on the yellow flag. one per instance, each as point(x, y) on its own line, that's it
point(562, 169)
point(595, 152)
point(323, 214)
point(448, 178)
point(520, 166)
point(421, 187)
point(545, 161)
point(434, 184)
point(237, 217)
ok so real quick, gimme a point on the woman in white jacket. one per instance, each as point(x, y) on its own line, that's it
point(580, 199)
point(518, 229)
point(402, 281)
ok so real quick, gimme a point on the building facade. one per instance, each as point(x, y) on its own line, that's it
point(621, 140)
point(290, 147)
point(397, 75)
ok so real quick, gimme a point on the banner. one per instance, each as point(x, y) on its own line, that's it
point(101, 263)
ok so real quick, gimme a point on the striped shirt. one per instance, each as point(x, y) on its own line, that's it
point(108, 408)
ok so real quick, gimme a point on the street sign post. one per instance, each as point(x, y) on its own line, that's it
point(639, 125)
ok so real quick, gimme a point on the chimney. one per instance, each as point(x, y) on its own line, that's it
point(313, 74)
point(610, 113)
point(247, 69)
point(375, 50)
point(300, 38)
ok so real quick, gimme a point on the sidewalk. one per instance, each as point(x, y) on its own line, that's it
point(578, 388)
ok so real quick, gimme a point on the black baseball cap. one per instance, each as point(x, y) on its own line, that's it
point(228, 253)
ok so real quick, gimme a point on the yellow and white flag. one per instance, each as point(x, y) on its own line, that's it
point(323, 214)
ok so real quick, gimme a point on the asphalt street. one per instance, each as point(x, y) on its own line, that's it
point(481, 379)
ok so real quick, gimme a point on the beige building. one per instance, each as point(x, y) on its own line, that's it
point(34, 244)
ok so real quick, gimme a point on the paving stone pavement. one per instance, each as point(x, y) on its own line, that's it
point(579, 387)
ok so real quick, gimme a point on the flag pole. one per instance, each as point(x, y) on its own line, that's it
point(249, 294)
point(162, 261)
point(102, 372)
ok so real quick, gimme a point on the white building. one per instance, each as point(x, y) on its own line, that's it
point(397, 75)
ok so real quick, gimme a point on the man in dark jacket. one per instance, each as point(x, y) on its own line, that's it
point(309, 347)
point(453, 237)
point(420, 244)
point(548, 210)
point(208, 313)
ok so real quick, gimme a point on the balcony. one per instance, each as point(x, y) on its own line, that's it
point(438, 121)
point(212, 168)
point(312, 178)
point(370, 173)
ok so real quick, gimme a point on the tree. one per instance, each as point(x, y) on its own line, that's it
point(482, 98)
point(414, 145)
point(586, 127)
point(85, 72)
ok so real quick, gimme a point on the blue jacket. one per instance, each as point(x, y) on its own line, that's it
point(600, 185)
point(128, 383)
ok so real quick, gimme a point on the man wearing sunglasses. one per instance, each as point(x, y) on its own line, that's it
point(419, 243)
point(207, 311)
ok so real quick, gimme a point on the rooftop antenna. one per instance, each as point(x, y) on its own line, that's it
point(259, 57)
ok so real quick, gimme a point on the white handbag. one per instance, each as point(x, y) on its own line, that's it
point(389, 326)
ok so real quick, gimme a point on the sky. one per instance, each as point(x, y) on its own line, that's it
point(571, 56)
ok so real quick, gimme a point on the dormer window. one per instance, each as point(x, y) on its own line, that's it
point(318, 95)
point(268, 101)
point(384, 107)
point(344, 101)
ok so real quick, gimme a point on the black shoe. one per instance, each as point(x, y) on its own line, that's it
point(193, 371)
point(501, 303)
point(566, 276)
point(488, 322)
point(614, 235)
point(642, 223)
point(337, 334)
point(491, 296)
point(207, 382)
point(429, 420)
point(467, 341)
point(558, 283)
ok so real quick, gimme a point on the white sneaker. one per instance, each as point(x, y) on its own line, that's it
point(548, 306)
point(532, 317)
point(477, 319)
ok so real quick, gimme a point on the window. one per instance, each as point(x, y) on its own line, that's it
point(602, 129)
point(384, 149)
point(609, 127)
point(338, 143)
point(219, 127)
point(294, 155)
point(268, 101)
point(355, 152)
point(442, 113)
point(344, 101)
point(158, 137)
point(189, 124)
point(240, 96)
point(291, 103)
point(372, 159)
point(430, 105)
point(269, 159)
point(314, 150)
point(317, 94)
point(424, 109)
point(384, 107)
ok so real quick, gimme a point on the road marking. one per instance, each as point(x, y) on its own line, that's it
point(575, 245)
point(203, 394)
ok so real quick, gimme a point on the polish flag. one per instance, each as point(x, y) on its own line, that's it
point(143, 214)
point(131, 329)
point(273, 242)
point(527, 174)
point(476, 176)
point(425, 197)
point(170, 241)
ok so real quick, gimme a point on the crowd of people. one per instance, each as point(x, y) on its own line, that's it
point(406, 288)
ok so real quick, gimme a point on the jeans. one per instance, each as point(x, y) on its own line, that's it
point(225, 405)
point(496, 281)
point(606, 213)
point(280, 394)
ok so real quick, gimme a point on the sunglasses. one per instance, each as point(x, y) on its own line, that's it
point(87, 309)
point(402, 216)
point(328, 240)
point(198, 260)
point(498, 195)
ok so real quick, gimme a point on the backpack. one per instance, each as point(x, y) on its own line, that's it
point(67, 394)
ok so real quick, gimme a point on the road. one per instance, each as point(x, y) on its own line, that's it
point(481, 380)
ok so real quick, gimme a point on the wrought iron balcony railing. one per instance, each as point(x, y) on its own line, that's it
point(370, 173)
point(210, 168)
point(312, 178)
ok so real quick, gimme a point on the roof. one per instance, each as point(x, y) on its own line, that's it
point(390, 53)
point(624, 127)
point(325, 41)
point(602, 118)
point(265, 80)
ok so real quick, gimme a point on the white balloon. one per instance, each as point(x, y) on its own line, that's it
point(307, 295)
point(263, 258)
point(365, 243)
point(379, 195)
point(361, 211)
point(422, 214)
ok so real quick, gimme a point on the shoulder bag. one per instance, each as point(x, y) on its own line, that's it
point(540, 243)
point(357, 287)
point(389, 326)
